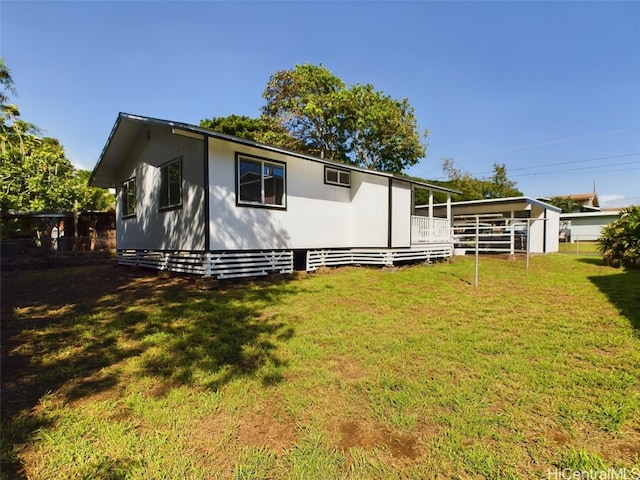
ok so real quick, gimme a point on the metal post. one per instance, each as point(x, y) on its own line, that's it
point(477, 245)
point(528, 240)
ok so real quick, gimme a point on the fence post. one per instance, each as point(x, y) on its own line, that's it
point(477, 246)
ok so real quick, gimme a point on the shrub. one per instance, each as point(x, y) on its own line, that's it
point(620, 240)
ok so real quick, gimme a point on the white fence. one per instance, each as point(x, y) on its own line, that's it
point(491, 237)
point(429, 230)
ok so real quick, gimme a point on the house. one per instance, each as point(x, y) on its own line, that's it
point(586, 226)
point(193, 200)
point(508, 224)
point(577, 202)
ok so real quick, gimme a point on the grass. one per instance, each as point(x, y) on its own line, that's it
point(356, 373)
point(578, 248)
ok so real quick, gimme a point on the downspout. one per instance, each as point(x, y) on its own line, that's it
point(430, 203)
point(544, 231)
point(430, 220)
point(390, 214)
point(207, 216)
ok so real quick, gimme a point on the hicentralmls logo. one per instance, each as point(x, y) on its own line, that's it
point(608, 474)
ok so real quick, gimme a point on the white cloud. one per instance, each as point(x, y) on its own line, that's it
point(617, 200)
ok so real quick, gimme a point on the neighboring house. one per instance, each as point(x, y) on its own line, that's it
point(577, 202)
point(193, 200)
point(586, 226)
point(511, 219)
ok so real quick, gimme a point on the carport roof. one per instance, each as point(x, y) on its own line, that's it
point(496, 205)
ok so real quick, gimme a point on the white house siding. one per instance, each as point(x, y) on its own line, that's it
point(552, 230)
point(402, 205)
point(317, 215)
point(583, 230)
point(369, 211)
point(537, 230)
point(587, 226)
point(178, 229)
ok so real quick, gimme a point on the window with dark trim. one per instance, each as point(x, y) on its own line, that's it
point(129, 197)
point(171, 184)
point(336, 176)
point(260, 182)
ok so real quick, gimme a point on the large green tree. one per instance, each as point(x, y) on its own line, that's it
point(304, 101)
point(35, 174)
point(355, 124)
point(310, 110)
point(262, 129)
point(381, 133)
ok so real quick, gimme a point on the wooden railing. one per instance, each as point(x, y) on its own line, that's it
point(430, 230)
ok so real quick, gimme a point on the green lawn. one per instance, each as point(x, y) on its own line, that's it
point(579, 248)
point(355, 373)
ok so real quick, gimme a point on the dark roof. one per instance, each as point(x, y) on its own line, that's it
point(128, 127)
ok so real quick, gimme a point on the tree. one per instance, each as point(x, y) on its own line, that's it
point(357, 125)
point(496, 186)
point(263, 129)
point(499, 185)
point(566, 204)
point(35, 174)
point(470, 187)
point(303, 102)
point(381, 133)
point(237, 125)
point(93, 198)
point(620, 240)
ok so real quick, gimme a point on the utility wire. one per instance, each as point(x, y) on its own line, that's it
point(572, 162)
point(577, 161)
point(603, 168)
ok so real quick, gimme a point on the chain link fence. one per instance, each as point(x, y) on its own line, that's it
point(43, 251)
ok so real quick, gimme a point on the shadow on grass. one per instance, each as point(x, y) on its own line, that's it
point(595, 260)
point(623, 291)
point(62, 329)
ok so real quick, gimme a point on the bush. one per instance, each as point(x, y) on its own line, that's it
point(620, 240)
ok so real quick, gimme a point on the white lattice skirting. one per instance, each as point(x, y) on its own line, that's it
point(235, 264)
point(320, 258)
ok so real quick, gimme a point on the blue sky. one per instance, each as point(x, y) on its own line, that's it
point(550, 89)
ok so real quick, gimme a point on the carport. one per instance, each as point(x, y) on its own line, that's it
point(541, 220)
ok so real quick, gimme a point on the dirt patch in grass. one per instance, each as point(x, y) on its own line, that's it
point(560, 437)
point(265, 430)
point(367, 436)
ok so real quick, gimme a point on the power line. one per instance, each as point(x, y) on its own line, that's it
point(593, 168)
point(556, 142)
point(578, 161)
point(572, 162)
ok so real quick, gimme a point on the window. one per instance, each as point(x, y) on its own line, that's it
point(171, 184)
point(334, 176)
point(129, 197)
point(260, 182)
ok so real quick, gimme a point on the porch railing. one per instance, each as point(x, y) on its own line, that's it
point(430, 230)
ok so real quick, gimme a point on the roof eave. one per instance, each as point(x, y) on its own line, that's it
point(243, 141)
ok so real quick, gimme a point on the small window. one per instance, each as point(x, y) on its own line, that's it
point(334, 176)
point(129, 197)
point(260, 183)
point(171, 185)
